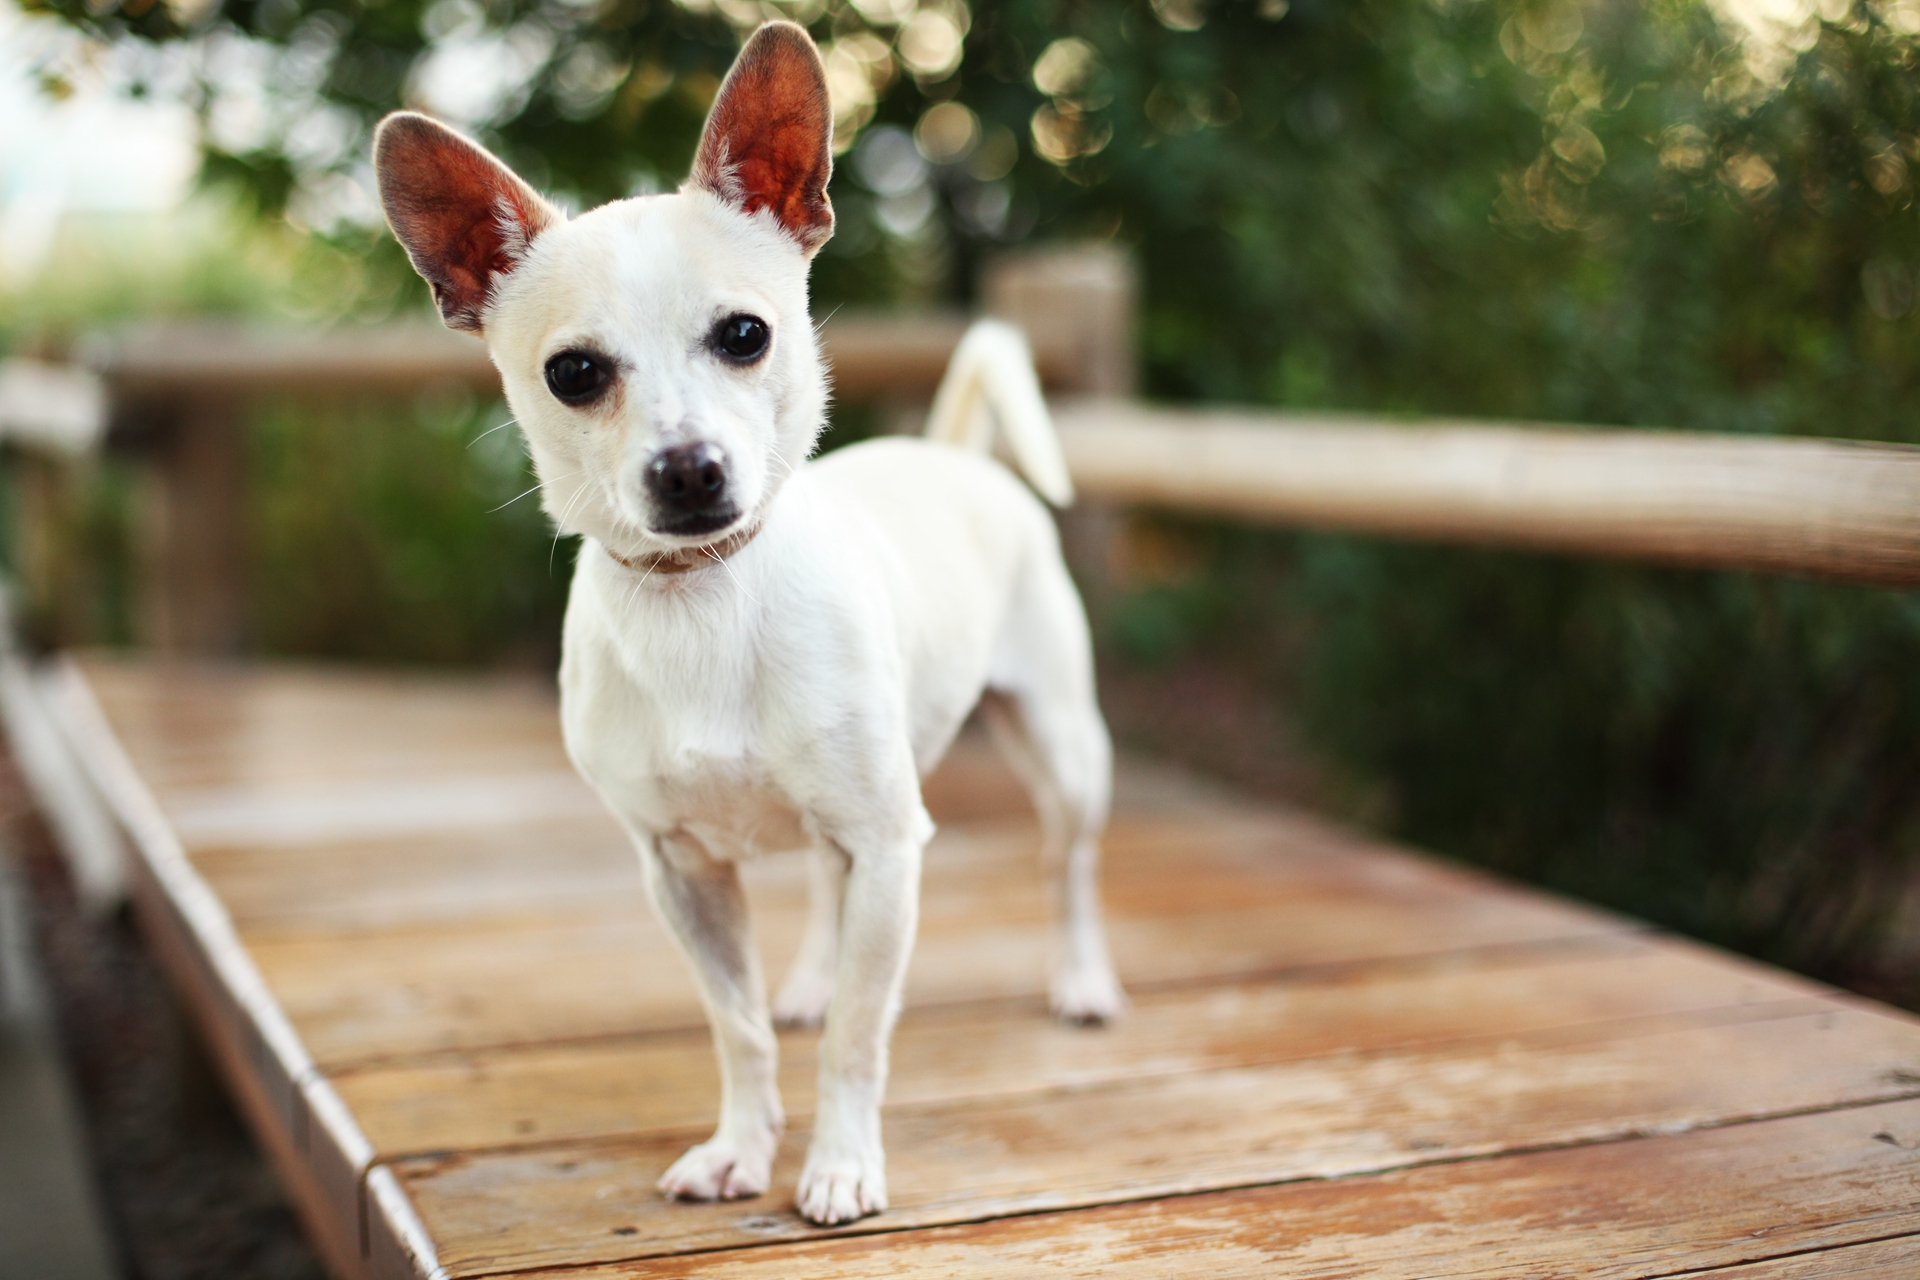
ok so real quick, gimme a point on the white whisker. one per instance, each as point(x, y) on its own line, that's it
point(510, 422)
point(536, 488)
point(721, 560)
point(560, 526)
point(510, 501)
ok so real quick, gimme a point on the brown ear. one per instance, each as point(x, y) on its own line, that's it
point(768, 143)
point(464, 217)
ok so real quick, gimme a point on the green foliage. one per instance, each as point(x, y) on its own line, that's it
point(211, 257)
point(391, 535)
point(1519, 207)
point(1727, 754)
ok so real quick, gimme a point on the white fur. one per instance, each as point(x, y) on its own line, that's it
point(993, 368)
point(794, 694)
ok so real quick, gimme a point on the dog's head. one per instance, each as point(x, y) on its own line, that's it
point(656, 351)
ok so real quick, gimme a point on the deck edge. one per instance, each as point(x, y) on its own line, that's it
point(268, 1068)
point(398, 1246)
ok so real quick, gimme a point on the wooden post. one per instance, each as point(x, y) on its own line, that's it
point(52, 417)
point(194, 530)
point(1084, 298)
point(1081, 297)
point(38, 485)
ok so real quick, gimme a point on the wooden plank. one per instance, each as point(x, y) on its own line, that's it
point(222, 736)
point(628, 1086)
point(265, 754)
point(1181, 1134)
point(1827, 507)
point(227, 726)
point(980, 871)
point(1895, 1259)
point(606, 967)
point(407, 889)
point(1657, 1206)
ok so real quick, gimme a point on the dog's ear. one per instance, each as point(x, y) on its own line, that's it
point(768, 143)
point(464, 217)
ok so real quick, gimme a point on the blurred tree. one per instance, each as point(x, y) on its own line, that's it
point(1614, 212)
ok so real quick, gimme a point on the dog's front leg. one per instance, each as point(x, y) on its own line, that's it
point(845, 1175)
point(700, 899)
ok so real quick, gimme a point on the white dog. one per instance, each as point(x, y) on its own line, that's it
point(761, 652)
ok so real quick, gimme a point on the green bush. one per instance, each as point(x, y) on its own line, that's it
point(1727, 754)
point(403, 535)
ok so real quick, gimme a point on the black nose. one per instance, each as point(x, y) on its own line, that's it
point(688, 479)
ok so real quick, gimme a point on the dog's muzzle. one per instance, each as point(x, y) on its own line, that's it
point(688, 486)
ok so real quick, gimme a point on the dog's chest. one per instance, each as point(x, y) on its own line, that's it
point(716, 786)
point(681, 748)
point(731, 810)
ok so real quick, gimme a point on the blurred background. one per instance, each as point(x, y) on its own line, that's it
point(1665, 213)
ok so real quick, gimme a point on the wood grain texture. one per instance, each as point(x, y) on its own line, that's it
point(1623, 1211)
point(631, 1085)
point(1896, 1259)
point(604, 966)
point(1178, 1134)
point(1826, 507)
point(243, 725)
point(460, 1031)
point(415, 870)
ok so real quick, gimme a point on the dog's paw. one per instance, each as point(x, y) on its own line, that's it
point(839, 1189)
point(804, 997)
point(1087, 994)
point(720, 1169)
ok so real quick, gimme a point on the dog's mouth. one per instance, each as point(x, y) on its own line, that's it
point(697, 524)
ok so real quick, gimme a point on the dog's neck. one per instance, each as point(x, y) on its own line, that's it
point(687, 559)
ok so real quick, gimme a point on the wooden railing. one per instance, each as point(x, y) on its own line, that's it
point(180, 395)
point(1821, 507)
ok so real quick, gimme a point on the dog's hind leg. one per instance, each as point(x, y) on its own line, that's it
point(1063, 755)
point(808, 987)
point(701, 901)
point(1044, 717)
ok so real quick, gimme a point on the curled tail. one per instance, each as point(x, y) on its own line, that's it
point(993, 365)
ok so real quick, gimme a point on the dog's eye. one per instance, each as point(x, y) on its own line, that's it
point(576, 377)
point(741, 338)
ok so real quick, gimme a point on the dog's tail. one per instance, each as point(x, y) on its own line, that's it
point(992, 370)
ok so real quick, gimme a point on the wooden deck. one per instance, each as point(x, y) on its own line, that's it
point(424, 959)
